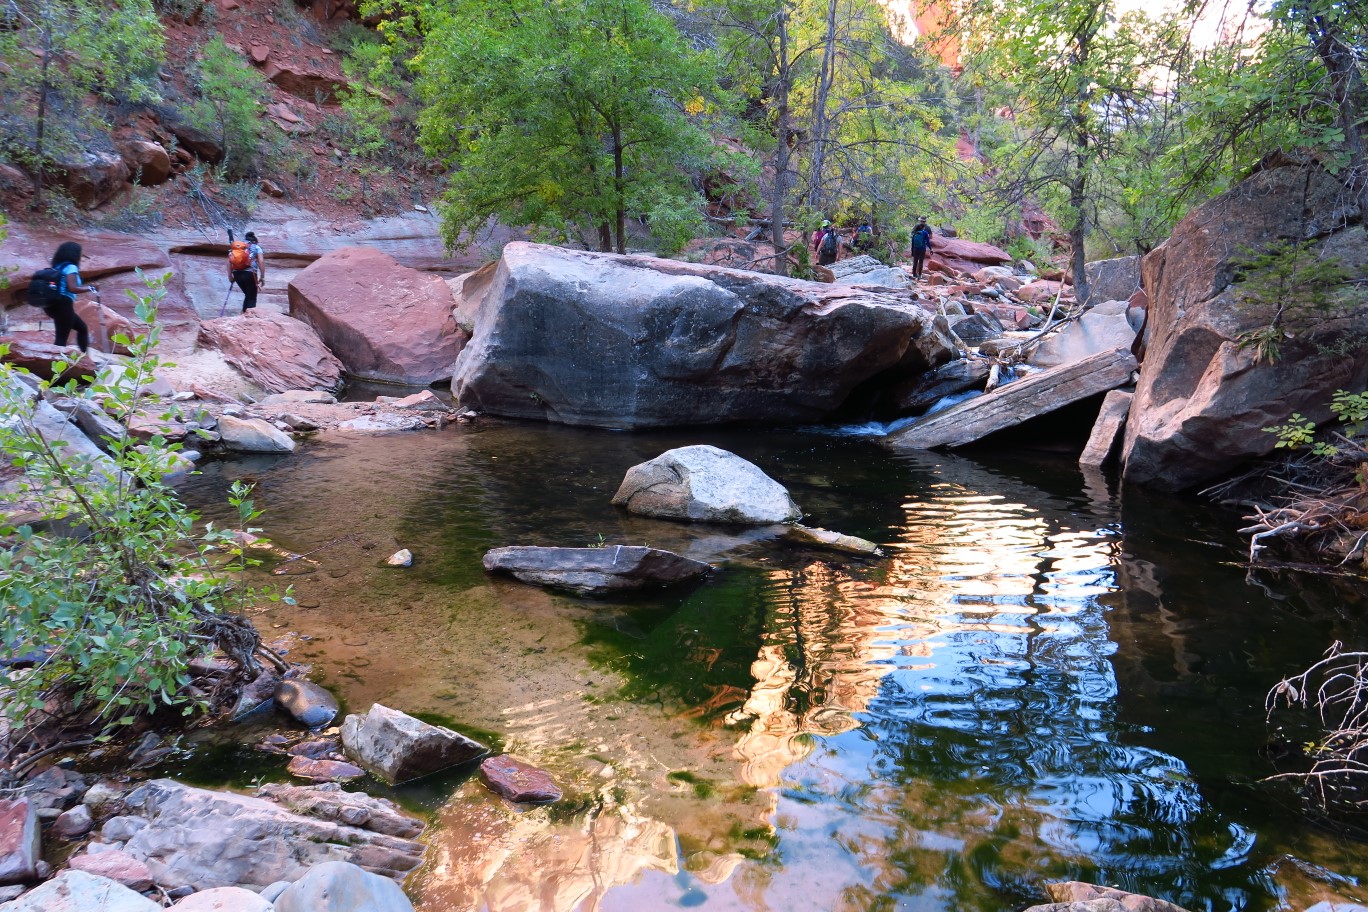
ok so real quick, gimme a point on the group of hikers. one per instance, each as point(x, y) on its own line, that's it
point(54, 289)
point(827, 242)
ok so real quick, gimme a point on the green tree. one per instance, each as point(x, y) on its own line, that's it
point(229, 106)
point(558, 115)
point(1293, 83)
point(367, 107)
point(56, 53)
point(1082, 78)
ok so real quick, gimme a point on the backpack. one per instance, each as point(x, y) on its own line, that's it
point(921, 240)
point(239, 256)
point(828, 243)
point(46, 287)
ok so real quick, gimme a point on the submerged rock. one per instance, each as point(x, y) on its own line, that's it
point(825, 538)
point(311, 704)
point(705, 484)
point(596, 571)
point(1076, 896)
point(397, 747)
point(518, 781)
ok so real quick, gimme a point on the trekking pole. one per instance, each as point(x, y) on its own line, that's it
point(102, 341)
point(226, 297)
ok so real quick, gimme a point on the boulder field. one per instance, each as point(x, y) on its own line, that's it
point(635, 341)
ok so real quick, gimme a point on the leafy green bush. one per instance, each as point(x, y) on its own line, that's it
point(115, 590)
point(229, 106)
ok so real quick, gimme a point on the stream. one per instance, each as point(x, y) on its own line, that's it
point(1041, 679)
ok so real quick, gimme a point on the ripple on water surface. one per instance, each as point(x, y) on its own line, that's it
point(1025, 688)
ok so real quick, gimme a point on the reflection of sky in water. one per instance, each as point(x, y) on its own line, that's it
point(980, 755)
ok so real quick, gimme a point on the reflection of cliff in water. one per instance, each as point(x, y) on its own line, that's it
point(1019, 691)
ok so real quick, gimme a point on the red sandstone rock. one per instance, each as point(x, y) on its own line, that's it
point(383, 321)
point(115, 865)
point(323, 770)
point(92, 178)
point(274, 351)
point(1041, 291)
point(518, 781)
point(19, 841)
point(148, 162)
point(37, 358)
point(307, 84)
point(958, 255)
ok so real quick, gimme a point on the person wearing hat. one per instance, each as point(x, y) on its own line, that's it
point(825, 243)
point(249, 276)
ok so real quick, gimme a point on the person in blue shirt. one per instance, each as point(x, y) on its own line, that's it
point(67, 260)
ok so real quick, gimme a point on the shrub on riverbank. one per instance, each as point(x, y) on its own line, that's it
point(111, 590)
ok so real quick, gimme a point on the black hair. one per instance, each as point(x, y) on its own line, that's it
point(251, 236)
point(68, 252)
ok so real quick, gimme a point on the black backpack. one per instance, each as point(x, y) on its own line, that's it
point(828, 243)
point(45, 288)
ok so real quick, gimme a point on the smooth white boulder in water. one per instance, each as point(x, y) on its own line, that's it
point(337, 886)
point(252, 435)
point(705, 484)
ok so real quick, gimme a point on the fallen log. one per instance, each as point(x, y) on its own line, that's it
point(1019, 401)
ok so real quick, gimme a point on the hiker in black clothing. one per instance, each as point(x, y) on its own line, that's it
point(247, 268)
point(826, 244)
point(921, 243)
point(67, 260)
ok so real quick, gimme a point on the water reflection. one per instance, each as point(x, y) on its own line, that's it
point(1025, 689)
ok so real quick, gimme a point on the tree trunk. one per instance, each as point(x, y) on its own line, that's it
point(821, 123)
point(1347, 88)
point(619, 192)
point(41, 122)
point(783, 133)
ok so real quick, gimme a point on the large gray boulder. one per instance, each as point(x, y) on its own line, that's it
point(339, 887)
point(1102, 328)
point(596, 571)
point(705, 484)
point(1202, 401)
point(253, 435)
point(635, 341)
point(1112, 280)
point(1077, 896)
point(397, 747)
point(195, 837)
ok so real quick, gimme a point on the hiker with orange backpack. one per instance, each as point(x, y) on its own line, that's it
point(247, 268)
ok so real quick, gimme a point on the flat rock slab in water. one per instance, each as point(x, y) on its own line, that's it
point(519, 781)
point(596, 571)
